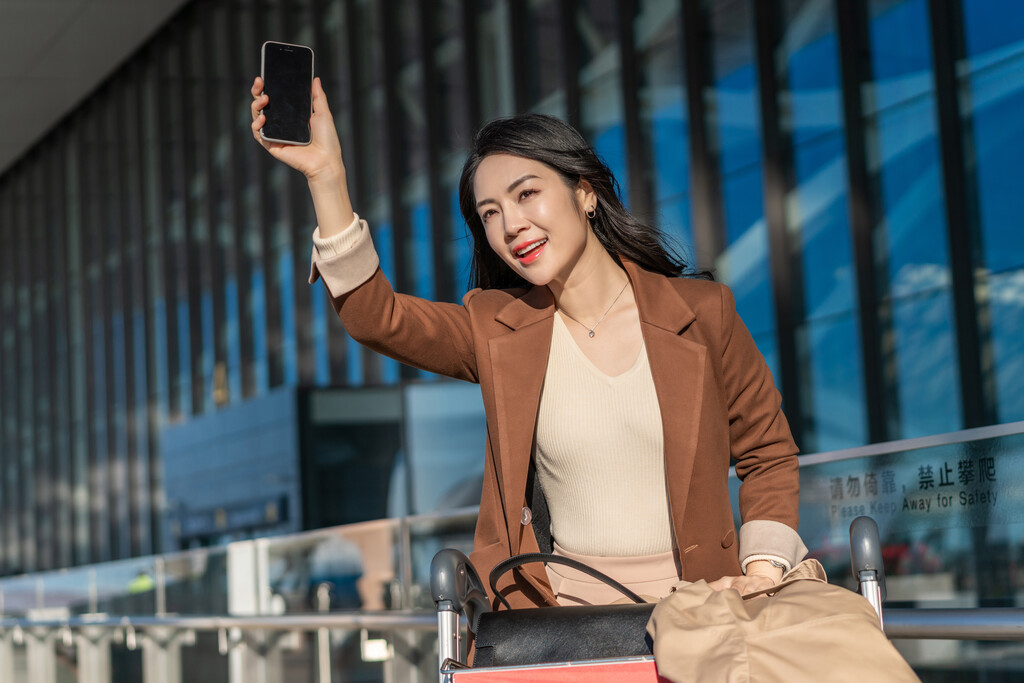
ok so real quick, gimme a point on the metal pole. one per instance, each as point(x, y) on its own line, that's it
point(42, 660)
point(7, 656)
point(872, 591)
point(93, 646)
point(323, 635)
point(449, 644)
point(991, 623)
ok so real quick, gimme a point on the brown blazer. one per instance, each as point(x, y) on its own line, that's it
point(716, 395)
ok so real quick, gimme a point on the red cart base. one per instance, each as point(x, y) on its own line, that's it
point(636, 670)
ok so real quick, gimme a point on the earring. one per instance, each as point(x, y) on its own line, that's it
point(591, 212)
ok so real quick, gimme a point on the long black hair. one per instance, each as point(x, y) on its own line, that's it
point(558, 145)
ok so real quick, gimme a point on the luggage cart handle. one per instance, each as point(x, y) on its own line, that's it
point(456, 587)
point(866, 563)
point(866, 552)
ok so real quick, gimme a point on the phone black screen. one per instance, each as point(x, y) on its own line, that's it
point(287, 78)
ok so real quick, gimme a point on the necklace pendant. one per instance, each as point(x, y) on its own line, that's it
point(591, 333)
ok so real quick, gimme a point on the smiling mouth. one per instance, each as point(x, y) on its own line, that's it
point(529, 248)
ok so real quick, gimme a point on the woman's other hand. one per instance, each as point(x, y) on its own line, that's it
point(761, 575)
point(322, 156)
point(320, 161)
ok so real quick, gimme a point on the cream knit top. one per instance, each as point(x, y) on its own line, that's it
point(599, 453)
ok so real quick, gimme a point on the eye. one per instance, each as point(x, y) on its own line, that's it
point(487, 214)
point(525, 194)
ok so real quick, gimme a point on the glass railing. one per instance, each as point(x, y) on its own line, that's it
point(950, 512)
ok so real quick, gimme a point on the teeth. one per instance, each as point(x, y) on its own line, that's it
point(523, 252)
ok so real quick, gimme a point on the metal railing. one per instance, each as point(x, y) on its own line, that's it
point(161, 638)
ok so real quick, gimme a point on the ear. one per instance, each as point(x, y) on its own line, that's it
point(585, 195)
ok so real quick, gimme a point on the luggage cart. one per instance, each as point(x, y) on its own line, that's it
point(456, 588)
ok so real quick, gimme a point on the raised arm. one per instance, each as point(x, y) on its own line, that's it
point(428, 335)
point(320, 161)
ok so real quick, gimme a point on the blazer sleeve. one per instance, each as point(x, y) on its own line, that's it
point(761, 444)
point(432, 336)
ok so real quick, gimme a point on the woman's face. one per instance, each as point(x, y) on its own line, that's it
point(533, 221)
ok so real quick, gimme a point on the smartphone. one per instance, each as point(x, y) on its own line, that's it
point(287, 72)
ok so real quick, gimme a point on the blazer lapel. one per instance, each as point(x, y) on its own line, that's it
point(678, 367)
point(519, 360)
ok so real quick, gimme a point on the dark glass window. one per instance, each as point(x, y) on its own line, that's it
point(913, 254)
point(735, 126)
point(818, 217)
point(661, 101)
point(600, 83)
point(992, 99)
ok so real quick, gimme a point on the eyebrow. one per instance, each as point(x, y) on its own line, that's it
point(515, 183)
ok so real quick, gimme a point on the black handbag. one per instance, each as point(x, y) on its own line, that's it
point(546, 635)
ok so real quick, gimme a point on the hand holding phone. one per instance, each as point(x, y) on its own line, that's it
point(287, 72)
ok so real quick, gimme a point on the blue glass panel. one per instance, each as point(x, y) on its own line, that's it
point(319, 309)
point(139, 359)
point(670, 146)
point(610, 145)
point(835, 373)
point(421, 255)
point(462, 245)
point(744, 265)
point(820, 170)
point(162, 362)
point(768, 344)
point(738, 108)
point(233, 339)
point(600, 82)
point(993, 25)
point(289, 344)
point(992, 98)
point(913, 240)
point(670, 149)
point(674, 219)
point(929, 399)
point(354, 362)
point(259, 331)
point(184, 360)
point(900, 45)
point(209, 358)
point(384, 241)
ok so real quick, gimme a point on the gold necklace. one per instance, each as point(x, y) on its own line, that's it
point(609, 310)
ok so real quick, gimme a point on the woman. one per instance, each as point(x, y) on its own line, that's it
point(615, 391)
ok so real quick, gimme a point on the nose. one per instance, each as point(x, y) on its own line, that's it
point(514, 222)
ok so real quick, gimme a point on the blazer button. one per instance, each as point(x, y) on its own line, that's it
point(526, 517)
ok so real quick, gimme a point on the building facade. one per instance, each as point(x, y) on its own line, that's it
point(847, 167)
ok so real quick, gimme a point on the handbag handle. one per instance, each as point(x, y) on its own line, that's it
point(511, 563)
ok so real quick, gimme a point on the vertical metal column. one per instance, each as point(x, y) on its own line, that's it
point(93, 646)
point(970, 277)
point(705, 176)
point(42, 660)
point(875, 312)
point(784, 246)
point(253, 659)
point(161, 654)
point(7, 656)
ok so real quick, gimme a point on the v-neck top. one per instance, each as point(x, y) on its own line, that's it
point(599, 453)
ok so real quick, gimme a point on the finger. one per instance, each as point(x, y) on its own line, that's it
point(319, 98)
point(258, 104)
point(257, 126)
point(257, 86)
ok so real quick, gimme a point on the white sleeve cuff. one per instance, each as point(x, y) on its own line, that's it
point(786, 566)
point(337, 244)
point(345, 260)
point(767, 539)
